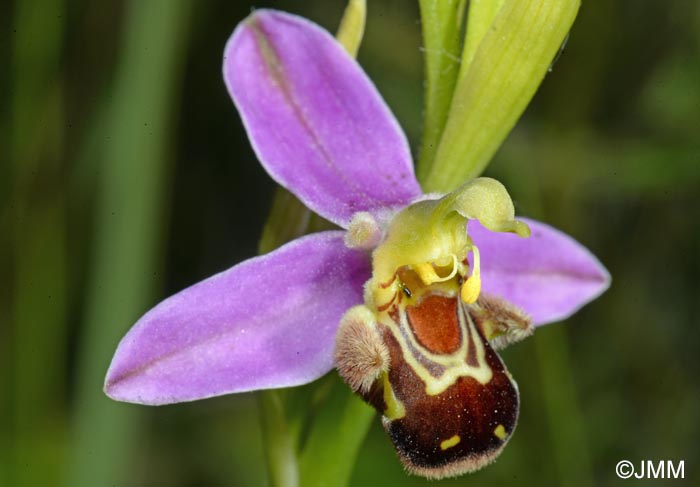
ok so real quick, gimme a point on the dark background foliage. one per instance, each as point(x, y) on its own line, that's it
point(125, 175)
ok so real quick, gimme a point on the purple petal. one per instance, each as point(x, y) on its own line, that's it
point(267, 322)
point(316, 122)
point(549, 275)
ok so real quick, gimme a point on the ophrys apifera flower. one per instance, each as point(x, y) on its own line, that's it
point(423, 287)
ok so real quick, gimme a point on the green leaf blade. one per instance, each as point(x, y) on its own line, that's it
point(506, 70)
point(442, 25)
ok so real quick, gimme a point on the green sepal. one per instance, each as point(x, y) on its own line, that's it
point(352, 26)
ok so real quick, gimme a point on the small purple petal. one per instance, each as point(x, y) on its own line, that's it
point(549, 275)
point(316, 122)
point(267, 322)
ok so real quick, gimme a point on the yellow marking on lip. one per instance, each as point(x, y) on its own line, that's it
point(394, 407)
point(450, 442)
point(455, 364)
point(500, 432)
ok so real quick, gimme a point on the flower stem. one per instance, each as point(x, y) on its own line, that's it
point(288, 219)
point(279, 442)
point(338, 431)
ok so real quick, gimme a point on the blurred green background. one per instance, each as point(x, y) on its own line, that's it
point(125, 175)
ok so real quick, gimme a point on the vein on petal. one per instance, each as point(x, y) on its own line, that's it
point(275, 68)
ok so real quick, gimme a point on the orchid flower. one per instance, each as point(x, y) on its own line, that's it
point(410, 300)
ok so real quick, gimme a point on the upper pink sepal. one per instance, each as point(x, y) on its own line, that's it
point(315, 120)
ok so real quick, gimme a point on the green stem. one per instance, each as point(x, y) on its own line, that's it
point(338, 432)
point(280, 444)
point(288, 219)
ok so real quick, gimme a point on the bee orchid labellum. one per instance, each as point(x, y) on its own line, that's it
point(419, 349)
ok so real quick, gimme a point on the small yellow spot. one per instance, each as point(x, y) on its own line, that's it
point(500, 432)
point(450, 442)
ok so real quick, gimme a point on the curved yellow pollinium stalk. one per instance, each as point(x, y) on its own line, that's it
point(430, 237)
